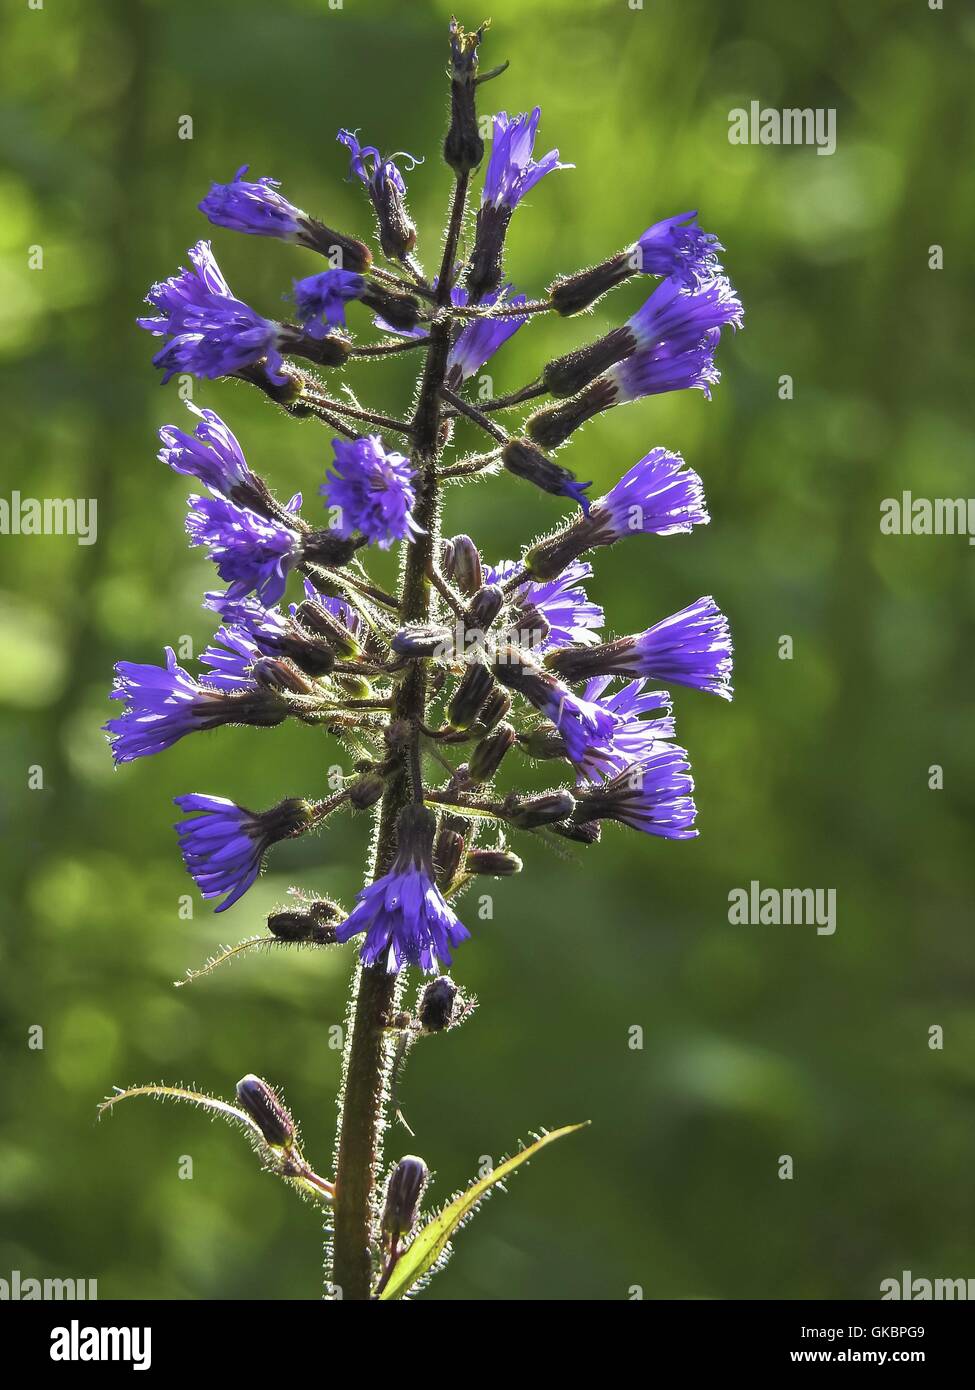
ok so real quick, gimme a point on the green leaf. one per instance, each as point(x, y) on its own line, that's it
point(429, 1245)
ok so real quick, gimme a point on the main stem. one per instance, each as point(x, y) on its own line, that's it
point(376, 992)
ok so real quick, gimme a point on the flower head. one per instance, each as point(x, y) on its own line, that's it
point(211, 454)
point(373, 491)
point(249, 551)
point(681, 317)
point(658, 496)
point(634, 735)
point(657, 370)
point(164, 702)
point(569, 612)
point(692, 647)
point(252, 206)
point(481, 338)
point(211, 333)
point(677, 247)
point(654, 796)
point(321, 299)
point(512, 171)
point(387, 189)
point(406, 919)
point(223, 844)
point(583, 724)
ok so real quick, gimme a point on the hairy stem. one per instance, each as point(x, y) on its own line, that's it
point(376, 993)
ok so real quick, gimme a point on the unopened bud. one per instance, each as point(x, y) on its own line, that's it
point(495, 863)
point(400, 311)
point(427, 639)
point(462, 564)
point(436, 1009)
point(280, 675)
point(531, 627)
point(315, 923)
point(522, 458)
point(328, 548)
point(316, 619)
point(531, 812)
point(494, 709)
point(404, 1192)
point(448, 852)
point(475, 686)
point(266, 1110)
point(367, 790)
point(484, 607)
point(490, 752)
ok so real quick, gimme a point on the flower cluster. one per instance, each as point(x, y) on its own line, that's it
point(488, 661)
point(434, 696)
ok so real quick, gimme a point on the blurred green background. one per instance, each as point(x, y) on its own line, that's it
point(758, 1041)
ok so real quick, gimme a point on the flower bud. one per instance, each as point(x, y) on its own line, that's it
point(524, 460)
point(404, 1192)
point(484, 607)
point(448, 852)
point(495, 863)
point(426, 639)
point(316, 619)
point(494, 709)
point(475, 686)
point(366, 790)
point(531, 627)
point(327, 548)
point(266, 1110)
point(436, 1009)
point(400, 311)
point(281, 676)
point(531, 812)
point(305, 926)
point(543, 742)
point(462, 564)
point(489, 753)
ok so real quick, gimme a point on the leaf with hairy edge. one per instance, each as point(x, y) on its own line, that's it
point(429, 1245)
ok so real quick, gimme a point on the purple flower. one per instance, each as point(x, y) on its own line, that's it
point(324, 297)
point(658, 370)
point(692, 647)
point(253, 207)
point(677, 247)
point(211, 454)
point(387, 189)
point(634, 736)
point(406, 919)
point(372, 490)
point(249, 551)
point(681, 318)
point(481, 338)
point(563, 602)
point(512, 171)
point(224, 845)
point(654, 796)
point(658, 496)
point(231, 656)
point(583, 724)
point(211, 333)
point(165, 702)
